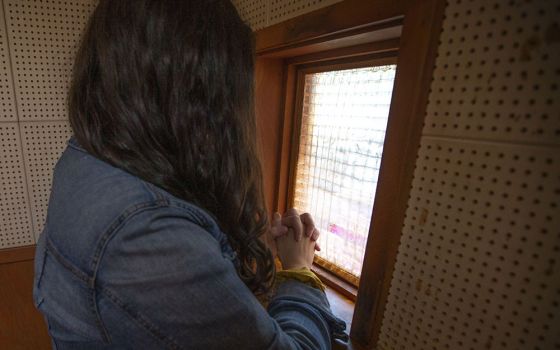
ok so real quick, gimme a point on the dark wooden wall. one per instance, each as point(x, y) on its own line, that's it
point(21, 326)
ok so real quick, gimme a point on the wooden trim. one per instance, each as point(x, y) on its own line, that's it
point(297, 119)
point(370, 60)
point(390, 45)
point(287, 130)
point(269, 87)
point(330, 23)
point(360, 35)
point(337, 271)
point(12, 255)
point(417, 52)
point(340, 285)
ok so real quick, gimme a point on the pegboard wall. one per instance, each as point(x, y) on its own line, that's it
point(479, 261)
point(38, 40)
point(44, 36)
point(7, 101)
point(43, 142)
point(15, 216)
point(263, 13)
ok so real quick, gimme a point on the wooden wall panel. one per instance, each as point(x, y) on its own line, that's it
point(21, 326)
point(269, 82)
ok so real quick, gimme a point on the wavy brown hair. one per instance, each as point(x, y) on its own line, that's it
point(163, 89)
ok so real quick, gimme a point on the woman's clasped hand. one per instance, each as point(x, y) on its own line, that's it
point(294, 239)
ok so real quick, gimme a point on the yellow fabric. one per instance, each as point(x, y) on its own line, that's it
point(303, 275)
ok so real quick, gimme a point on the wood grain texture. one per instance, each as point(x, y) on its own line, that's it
point(21, 326)
point(268, 106)
point(12, 255)
point(330, 23)
point(391, 45)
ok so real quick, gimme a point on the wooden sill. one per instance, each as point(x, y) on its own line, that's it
point(336, 283)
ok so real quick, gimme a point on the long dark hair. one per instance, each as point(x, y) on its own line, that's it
point(164, 90)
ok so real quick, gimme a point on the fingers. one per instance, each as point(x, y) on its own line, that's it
point(307, 221)
point(300, 224)
point(315, 235)
point(277, 229)
point(294, 222)
point(317, 247)
point(310, 229)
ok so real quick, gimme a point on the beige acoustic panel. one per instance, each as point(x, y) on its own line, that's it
point(44, 36)
point(43, 143)
point(253, 12)
point(15, 216)
point(7, 100)
point(497, 72)
point(282, 10)
point(479, 260)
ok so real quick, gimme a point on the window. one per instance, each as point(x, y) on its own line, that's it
point(341, 37)
point(344, 117)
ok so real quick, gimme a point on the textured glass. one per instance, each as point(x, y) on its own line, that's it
point(344, 119)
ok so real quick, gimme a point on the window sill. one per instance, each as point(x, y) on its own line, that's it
point(341, 286)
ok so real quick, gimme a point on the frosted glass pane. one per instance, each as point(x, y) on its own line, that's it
point(344, 120)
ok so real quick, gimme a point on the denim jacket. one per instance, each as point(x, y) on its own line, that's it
point(123, 264)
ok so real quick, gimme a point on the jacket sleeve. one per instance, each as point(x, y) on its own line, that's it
point(162, 281)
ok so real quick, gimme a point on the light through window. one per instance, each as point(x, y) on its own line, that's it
point(344, 119)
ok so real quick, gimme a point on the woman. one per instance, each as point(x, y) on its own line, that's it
point(152, 234)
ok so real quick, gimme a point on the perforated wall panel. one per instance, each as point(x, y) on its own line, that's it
point(281, 10)
point(478, 264)
point(263, 13)
point(253, 12)
point(43, 143)
point(478, 261)
point(43, 36)
point(15, 220)
point(7, 102)
point(498, 72)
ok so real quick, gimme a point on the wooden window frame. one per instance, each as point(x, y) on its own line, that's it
point(330, 61)
point(348, 29)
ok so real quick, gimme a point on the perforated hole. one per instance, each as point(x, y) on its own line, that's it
point(43, 143)
point(253, 12)
point(44, 36)
point(15, 223)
